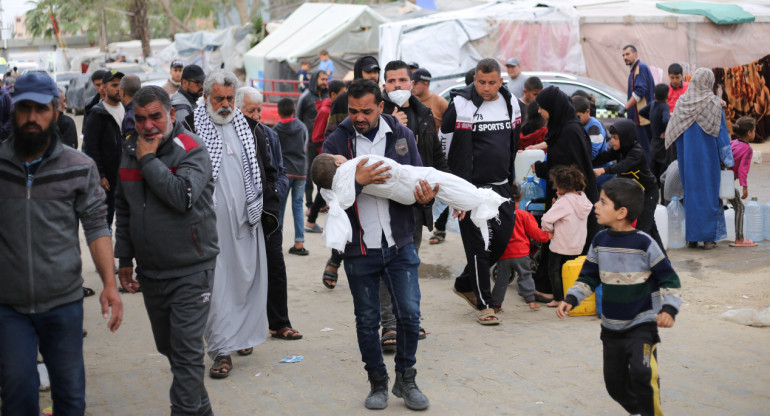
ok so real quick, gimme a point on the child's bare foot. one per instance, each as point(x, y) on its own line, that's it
point(533, 305)
point(553, 304)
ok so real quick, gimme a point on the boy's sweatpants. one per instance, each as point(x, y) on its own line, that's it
point(631, 369)
point(505, 269)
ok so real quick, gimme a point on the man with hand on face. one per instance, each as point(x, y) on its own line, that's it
point(383, 243)
point(185, 101)
point(246, 212)
point(47, 189)
point(480, 133)
point(165, 220)
point(103, 140)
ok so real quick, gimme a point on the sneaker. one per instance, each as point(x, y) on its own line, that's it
point(299, 251)
point(314, 229)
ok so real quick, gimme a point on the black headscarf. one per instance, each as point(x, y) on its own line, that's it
point(626, 131)
point(560, 112)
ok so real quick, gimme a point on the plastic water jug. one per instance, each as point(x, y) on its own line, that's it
point(521, 166)
point(661, 221)
point(676, 226)
point(753, 220)
point(766, 216)
point(730, 223)
point(529, 191)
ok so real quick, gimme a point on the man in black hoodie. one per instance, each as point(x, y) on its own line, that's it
point(96, 80)
point(631, 163)
point(480, 134)
point(103, 140)
point(306, 113)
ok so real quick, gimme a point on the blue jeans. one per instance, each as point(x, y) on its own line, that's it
point(398, 269)
point(296, 188)
point(59, 335)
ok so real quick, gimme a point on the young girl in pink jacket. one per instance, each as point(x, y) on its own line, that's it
point(742, 153)
point(566, 223)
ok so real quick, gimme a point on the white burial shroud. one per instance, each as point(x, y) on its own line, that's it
point(454, 191)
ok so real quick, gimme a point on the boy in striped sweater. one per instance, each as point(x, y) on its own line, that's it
point(640, 295)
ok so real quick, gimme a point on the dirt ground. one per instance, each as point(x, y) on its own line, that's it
point(531, 364)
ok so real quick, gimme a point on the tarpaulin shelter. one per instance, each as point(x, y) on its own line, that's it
point(582, 37)
point(544, 38)
point(347, 31)
point(211, 50)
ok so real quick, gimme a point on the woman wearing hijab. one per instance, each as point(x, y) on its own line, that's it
point(699, 130)
point(568, 145)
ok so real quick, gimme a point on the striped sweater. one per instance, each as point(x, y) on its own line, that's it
point(638, 279)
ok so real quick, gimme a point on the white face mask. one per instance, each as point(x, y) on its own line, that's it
point(399, 97)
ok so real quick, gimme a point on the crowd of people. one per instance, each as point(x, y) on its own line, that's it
point(198, 187)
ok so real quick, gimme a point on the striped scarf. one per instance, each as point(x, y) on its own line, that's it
point(252, 179)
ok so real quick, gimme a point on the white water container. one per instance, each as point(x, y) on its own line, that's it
point(521, 167)
point(753, 221)
point(730, 223)
point(661, 221)
point(676, 224)
point(766, 217)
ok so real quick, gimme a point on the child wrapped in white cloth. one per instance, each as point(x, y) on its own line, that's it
point(400, 187)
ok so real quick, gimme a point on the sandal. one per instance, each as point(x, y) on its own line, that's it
point(286, 333)
point(438, 237)
point(739, 243)
point(487, 317)
point(299, 251)
point(329, 276)
point(246, 351)
point(388, 340)
point(422, 334)
point(87, 291)
point(469, 297)
point(222, 367)
point(708, 245)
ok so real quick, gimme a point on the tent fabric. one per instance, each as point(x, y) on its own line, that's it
point(721, 14)
point(209, 50)
point(542, 37)
point(344, 30)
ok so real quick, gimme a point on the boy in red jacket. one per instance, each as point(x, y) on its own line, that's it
point(516, 257)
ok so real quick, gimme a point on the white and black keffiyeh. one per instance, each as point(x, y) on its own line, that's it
point(252, 179)
point(699, 105)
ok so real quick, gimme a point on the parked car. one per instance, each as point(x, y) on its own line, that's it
point(609, 101)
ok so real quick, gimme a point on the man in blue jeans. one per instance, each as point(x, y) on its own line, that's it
point(46, 188)
point(382, 245)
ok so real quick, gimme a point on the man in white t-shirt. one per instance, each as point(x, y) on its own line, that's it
point(103, 140)
point(480, 134)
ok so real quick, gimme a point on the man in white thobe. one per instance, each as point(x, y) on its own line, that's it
point(237, 319)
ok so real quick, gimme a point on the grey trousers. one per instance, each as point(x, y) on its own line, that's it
point(525, 283)
point(178, 309)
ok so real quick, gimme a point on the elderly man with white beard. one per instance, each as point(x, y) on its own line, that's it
point(243, 190)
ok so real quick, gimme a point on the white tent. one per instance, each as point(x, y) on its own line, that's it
point(582, 37)
point(347, 31)
point(546, 38)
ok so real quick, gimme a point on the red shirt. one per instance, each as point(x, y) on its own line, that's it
point(524, 229)
point(324, 107)
point(675, 93)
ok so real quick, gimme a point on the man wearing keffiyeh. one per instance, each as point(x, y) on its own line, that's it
point(237, 320)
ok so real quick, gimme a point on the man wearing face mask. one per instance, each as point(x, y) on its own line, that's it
point(417, 117)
